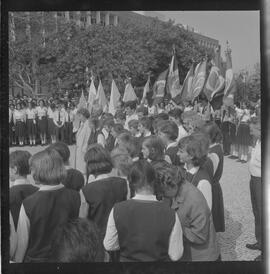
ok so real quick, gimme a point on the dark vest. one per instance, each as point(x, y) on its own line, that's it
point(202, 174)
point(17, 194)
point(218, 150)
point(47, 211)
point(101, 195)
point(110, 142)
point(144, 229)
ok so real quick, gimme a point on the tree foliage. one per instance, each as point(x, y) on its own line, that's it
point(129, 49)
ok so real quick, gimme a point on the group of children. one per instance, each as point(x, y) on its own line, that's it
point(144, 188)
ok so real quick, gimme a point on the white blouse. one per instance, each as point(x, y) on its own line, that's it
point(41, 112)
point(19, 115)
point(31, 113)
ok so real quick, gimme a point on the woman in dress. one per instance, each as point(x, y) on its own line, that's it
point(42, 121)
point(19, 122)
point(31, 123)
point(51, 126)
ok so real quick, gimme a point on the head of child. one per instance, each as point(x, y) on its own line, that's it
point(63, 151)
point(130, 108)
point(133, 126)
point(153, 148)
point(83, 114)
point(145, 125)
point(142, 178)
point(169, 179)
point(142, 111)
point(78, 241)
point(168, 132)
point(108, 124)
point(212, 131)
point(47, 167)
point(19, 164)
point(193, 150)
point(117, 129)
point(121, 162)
point(120, 117)
point(98, 161)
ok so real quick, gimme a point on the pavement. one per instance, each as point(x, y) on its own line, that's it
point(239, 219)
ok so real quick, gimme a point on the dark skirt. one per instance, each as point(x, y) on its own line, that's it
point(20, 129)
point(51, 127)
point(42, 125)
point(243, 135)
point(31, 127)
point(218, 207)
point(232, 133)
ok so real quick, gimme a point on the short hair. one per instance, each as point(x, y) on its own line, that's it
point(142, 109)
point(213, 132)
point(129, 143)
point(163, 116)
point(169, 128)
point(121, 160)
point(20, 160)
point(47, 167)
point(133, 123)
point(63, 150)
point(84, 112)
point(78, 241)
point(141, 175)
point(98, 160)
point(156, 148)
point(118, 128)
point(146, 122)
point(109, 122)
point(196, 145)
point(131, 104)
point(120, 115)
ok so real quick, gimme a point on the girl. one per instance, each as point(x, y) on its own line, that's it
point(19, 122)
point(51, 125)
point(42, 121)
point(142, 228)
point(46, 210)
point(31, 123)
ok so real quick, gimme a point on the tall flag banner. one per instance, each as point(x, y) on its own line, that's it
point(173, 83)
point(129, 94)
point(82, 101)
point(146, 87)
point(114, 98)
point(186, 88)
point(198, 80)
point(101, 99)
point(91, 95)
point(230, 83)
point(159, 87)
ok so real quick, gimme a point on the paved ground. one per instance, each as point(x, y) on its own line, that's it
point(238, 212)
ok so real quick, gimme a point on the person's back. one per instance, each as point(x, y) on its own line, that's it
point(144, 229)
point(47, 210)
point(101, 195)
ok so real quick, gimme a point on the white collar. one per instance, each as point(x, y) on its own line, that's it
point(20, 182)
point(194, 170)
point(145, 197)
point(173, 144)
point(138, 134)
point(49, 187)
point(147, 134)
point(99, 177)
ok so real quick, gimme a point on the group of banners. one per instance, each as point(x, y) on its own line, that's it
point(199, 80)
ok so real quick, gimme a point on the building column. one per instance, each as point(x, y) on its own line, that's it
point(67, 16)
point(115, 20)
point(107, 19)
point(98, 17)
point(88, 18)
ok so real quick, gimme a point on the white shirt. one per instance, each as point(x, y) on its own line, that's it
point(50, 113)
point(204, 186)
point(181, 133)
point(255, 161)
point(19, 115)
point(31, 113)
point(175, 249)
point(41, 111)
point(69, 116)
point(59, 118)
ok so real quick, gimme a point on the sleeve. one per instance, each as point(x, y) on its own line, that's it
point(101, 140)
point(176, 241)
point(215, 160)
point(110, 241)
point(23, 230)
point(205, 187)
point(84, 206)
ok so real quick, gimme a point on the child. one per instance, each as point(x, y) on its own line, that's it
point(51, 125)
point(133, 126)
point(42, 121)
point(47, 209)
point(31, 123)
point(19, 122)
point(68, 127)
point(59, 119)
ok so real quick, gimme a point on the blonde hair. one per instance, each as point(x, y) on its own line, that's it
point(47, 167)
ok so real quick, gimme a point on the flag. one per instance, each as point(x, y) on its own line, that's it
point(173, 84)
point(146, 87)
point(91, 95)
point(101, 99)
point(129, 94)
point(198, 80)
point(114, 98)
point(159, 87)
point(186, 88)
point(230, 83)
point(82, 101)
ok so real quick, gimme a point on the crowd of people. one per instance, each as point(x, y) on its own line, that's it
point(143, 184)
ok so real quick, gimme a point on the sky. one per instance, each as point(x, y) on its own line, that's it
point(240, 28)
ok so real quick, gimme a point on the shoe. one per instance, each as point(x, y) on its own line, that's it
point(258, 258)
point(253, 246)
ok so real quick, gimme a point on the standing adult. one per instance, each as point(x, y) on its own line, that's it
point(19, 122)
point(42, 121)
point(82, 137)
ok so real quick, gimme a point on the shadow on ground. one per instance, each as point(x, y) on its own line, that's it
point(228, 239)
